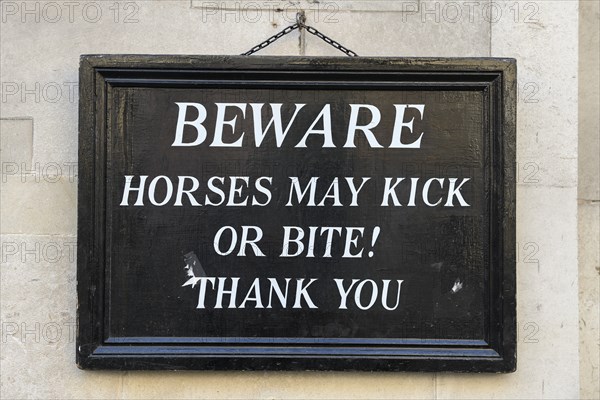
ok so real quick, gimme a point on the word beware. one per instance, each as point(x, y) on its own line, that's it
point(222, 121)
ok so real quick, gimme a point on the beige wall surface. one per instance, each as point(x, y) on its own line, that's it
point(589, 198)
point(40, 44)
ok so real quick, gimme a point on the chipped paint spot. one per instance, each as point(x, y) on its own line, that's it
point(457, 286)
point(192, 263)
point(437, 265)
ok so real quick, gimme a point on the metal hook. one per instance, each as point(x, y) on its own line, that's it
point(301, 19)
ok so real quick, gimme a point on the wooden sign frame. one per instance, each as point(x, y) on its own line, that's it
point(100, 78)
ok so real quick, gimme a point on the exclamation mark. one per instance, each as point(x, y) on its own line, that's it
point(376, 231)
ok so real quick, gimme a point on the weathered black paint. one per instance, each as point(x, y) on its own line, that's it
point(133, 313)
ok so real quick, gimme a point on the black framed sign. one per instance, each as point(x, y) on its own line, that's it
point(296, 213)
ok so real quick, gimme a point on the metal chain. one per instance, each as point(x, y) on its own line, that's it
point(271, 40)
point(301, 25)
point(330, 41)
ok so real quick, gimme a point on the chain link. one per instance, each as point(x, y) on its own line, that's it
point(330, 41)
point(300, 25)
point(271, 40)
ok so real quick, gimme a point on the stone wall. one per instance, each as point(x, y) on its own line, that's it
point(40, 45)
point(589, 198)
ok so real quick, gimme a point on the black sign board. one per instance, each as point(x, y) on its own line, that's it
point(296, 213)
